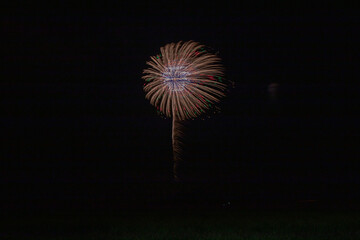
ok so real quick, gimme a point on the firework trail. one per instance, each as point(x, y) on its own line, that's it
point(182, 82)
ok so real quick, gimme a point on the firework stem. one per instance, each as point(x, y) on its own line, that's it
point(177, 132)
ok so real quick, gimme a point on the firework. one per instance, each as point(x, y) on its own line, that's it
point(182, 82)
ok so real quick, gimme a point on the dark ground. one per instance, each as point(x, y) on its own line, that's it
point(188, 223)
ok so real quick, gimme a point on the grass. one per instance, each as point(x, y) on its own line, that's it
point(229, 224)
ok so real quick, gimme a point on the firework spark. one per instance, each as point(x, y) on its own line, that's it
point(182, 82)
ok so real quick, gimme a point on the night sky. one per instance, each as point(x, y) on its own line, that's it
point(78, 131)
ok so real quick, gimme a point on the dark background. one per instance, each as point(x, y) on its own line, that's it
point(78, 134)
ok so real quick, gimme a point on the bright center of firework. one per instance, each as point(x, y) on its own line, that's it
point(175, 77)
